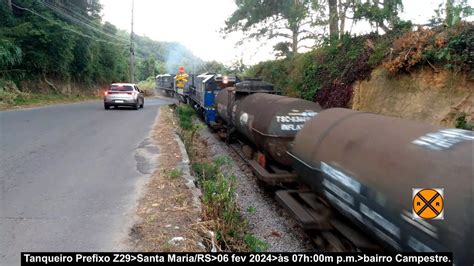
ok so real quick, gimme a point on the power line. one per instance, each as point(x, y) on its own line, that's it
point(60, 12)
point(76, 20)
point(64, 28)
point(78, 14)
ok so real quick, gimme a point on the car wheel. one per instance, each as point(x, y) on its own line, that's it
point(106, 107)
point(136, 106)
point(143, 104)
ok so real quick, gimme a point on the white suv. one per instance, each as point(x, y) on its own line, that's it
point(123, 94)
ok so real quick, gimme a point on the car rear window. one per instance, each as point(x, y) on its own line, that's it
point(121, 88)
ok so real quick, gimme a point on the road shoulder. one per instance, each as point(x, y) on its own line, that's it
point(170, 204)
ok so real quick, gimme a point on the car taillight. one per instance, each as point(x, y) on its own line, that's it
point(105, 93)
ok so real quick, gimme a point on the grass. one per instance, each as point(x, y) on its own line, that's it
point(251, 210)
point(174, 174)
point(462, 123)
point(220, 211)
point(185, 116)
point(255, 244)
point(38, 99)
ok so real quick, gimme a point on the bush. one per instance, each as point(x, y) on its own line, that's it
point(326, 74)
point(336, 66)
point(449, 48)
point(9, 93)
point(148, 86)
point(255, 244)
point(462, 123)
point(220, 204)
point(185, 116)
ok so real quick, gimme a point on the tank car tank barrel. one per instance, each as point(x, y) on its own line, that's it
point(267, 120)
point(369, 167)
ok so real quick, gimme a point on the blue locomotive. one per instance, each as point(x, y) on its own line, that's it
point(165, 83)
point(197, 90)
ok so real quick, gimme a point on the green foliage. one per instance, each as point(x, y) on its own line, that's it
point(453, 53)
point(212, 67)
point(255, 244)
point(219, 200)
point(383, 14)
point(336, 62)
point(185, 116)
point(147, 86)
point(10, 54)
point(251, 210)
point(174, 174)
point(146, 68)
point(9, 93)
point(269, 19)
point(49, 44)
point(378, 54)
point(220, 210)
point(446, 47)
point(462, 123)
point(67, 42)
point(451, 12)
point(326, 74)
point(168, 56)
point(206, 170)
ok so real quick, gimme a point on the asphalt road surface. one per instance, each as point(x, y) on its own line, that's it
point(69, 176)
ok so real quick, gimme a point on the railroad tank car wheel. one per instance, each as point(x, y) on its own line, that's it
point(222, 134)
point(335, 243)
point(248, 152)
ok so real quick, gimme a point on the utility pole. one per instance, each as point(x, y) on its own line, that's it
point(132, 50)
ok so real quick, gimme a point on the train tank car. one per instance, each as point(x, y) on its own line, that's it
point(370, 166)
point(268, 121)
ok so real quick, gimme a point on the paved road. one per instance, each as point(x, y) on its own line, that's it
point(68, 176)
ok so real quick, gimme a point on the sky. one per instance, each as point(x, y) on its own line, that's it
point(196, 25)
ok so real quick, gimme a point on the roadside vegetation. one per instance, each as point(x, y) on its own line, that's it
point(326, 74)
point(462, 123)
point(320, 58)
point(220, 212)
point(148, 86)
point(62, 51)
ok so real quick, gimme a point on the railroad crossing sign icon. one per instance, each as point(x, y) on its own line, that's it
point(428, 203)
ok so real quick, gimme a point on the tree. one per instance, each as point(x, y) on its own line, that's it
point(333, 20)
point(452, 12)
point(282, 49)
point(10, 56)
point(271, 19)
point(146, 68)
point(237, 67)
point(212, 67)
point(382, 13)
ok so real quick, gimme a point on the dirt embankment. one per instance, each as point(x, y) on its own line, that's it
point(435, 97)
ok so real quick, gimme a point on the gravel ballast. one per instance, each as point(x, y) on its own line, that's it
point(266, 218)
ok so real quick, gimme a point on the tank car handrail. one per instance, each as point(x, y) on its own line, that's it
point(301, 161)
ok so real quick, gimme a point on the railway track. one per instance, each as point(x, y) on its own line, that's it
point(360, 169)
point(327, 230)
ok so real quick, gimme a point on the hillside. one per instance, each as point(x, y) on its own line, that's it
point(171, 55)
point(425, 74)
point(64, 48)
